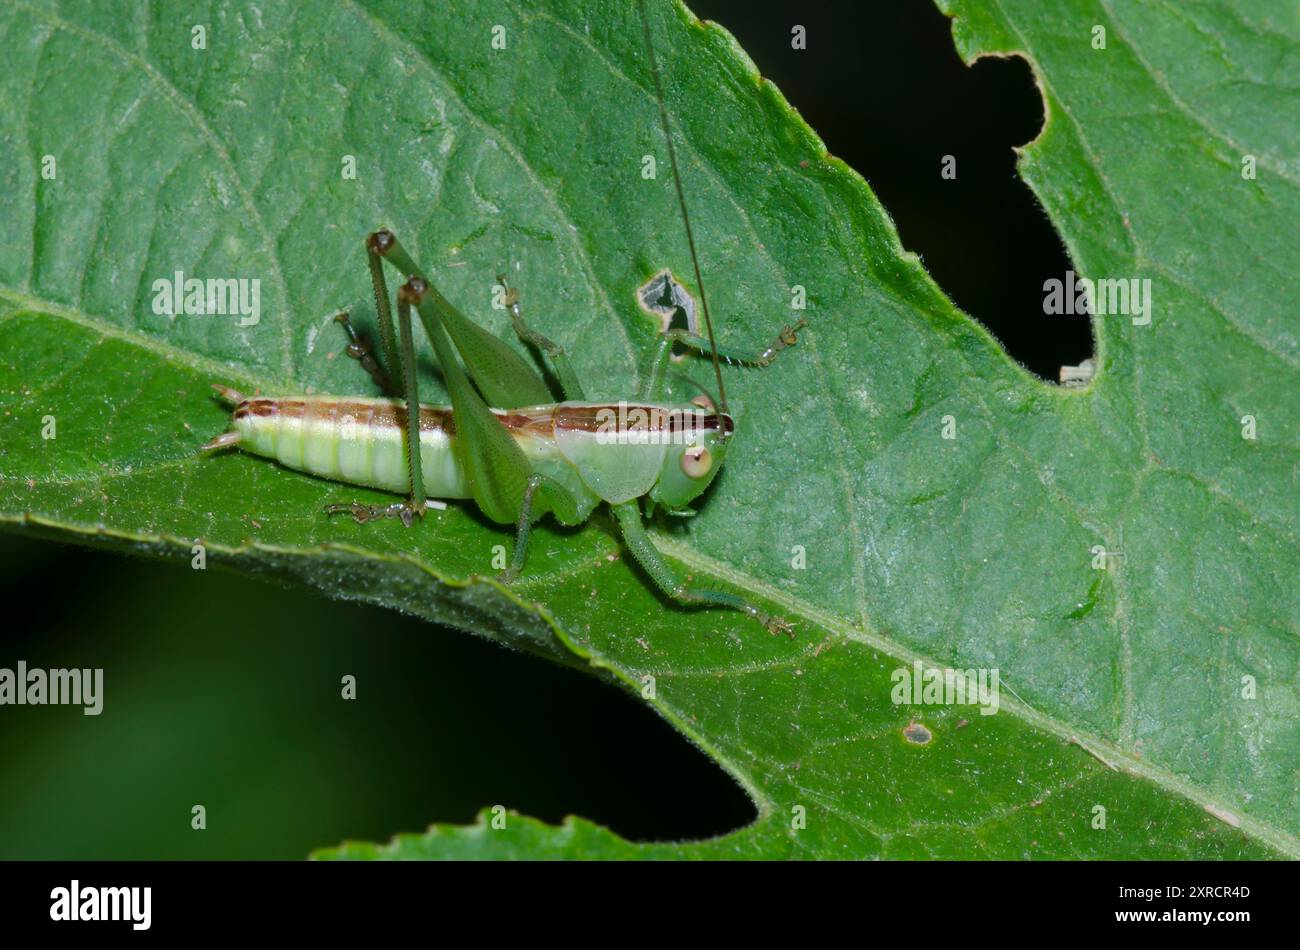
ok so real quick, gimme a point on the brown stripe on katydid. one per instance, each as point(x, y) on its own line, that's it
point(595, 418)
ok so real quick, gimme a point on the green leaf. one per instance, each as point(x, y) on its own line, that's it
point(1123, 688)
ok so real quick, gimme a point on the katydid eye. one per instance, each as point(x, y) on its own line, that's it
point(697, 461)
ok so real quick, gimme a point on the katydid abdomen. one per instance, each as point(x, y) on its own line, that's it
point(354, 440)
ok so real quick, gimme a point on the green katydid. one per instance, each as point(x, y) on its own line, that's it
point(526, 456)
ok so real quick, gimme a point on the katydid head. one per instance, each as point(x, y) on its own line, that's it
point(691, 463)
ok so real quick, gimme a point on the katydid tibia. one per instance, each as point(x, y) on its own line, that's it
point(504, 442)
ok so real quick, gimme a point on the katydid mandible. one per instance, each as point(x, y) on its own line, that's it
point(503, 442)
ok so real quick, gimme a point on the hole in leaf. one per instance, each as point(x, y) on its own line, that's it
point(882, 84)
point(664, 297)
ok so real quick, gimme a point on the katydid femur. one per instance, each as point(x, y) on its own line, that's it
point(527, 455)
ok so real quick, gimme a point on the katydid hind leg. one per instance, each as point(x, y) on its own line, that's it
point(666, 577)
point(505, 379)
point(375, 249)
point(412, 396)
point(495, 466)
point(399, 381)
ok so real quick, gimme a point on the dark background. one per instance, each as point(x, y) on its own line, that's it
point(238, 707)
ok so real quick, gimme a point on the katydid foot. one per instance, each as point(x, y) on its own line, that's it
point(404, 511)
point(771, 623)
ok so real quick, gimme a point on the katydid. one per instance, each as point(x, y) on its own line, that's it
point(503, 442)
